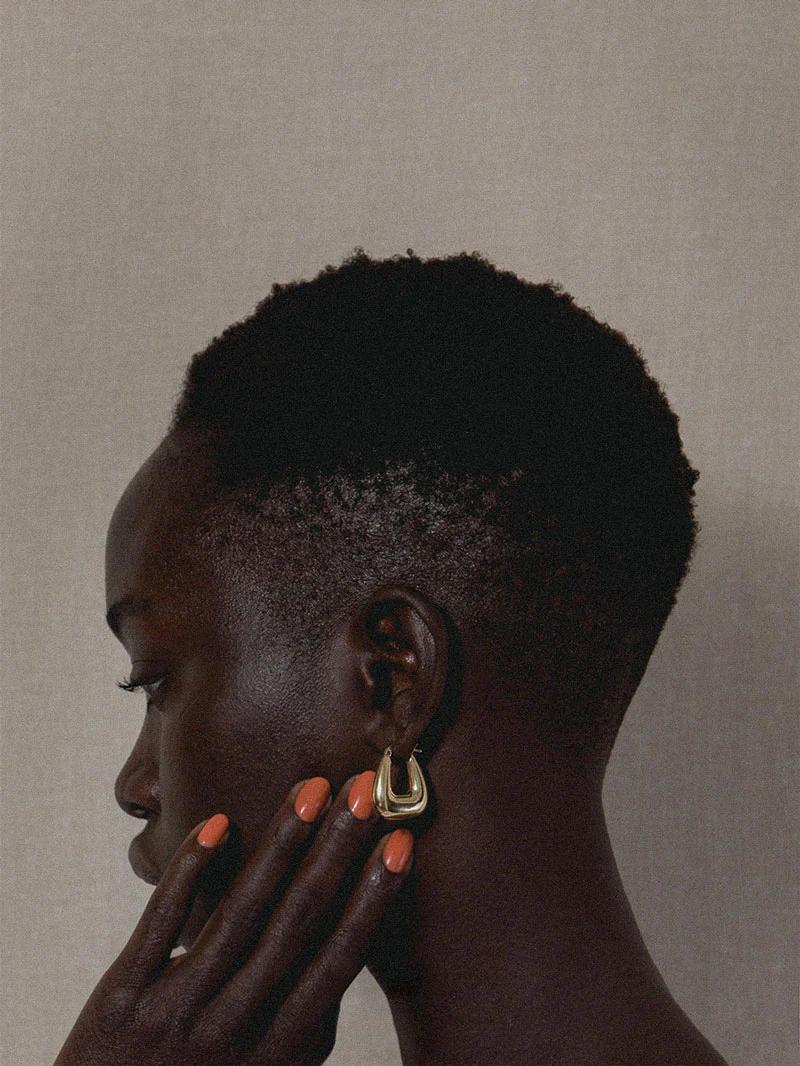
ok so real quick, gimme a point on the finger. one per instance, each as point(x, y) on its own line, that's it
point(344, 953)
point(239, 916)
point(148, 948)
point(305, 903)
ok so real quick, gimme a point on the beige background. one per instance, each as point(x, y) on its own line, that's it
point(166, 161)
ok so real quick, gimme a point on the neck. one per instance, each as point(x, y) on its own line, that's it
point(519, 944)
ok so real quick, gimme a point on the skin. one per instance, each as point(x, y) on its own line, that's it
point(511, 940)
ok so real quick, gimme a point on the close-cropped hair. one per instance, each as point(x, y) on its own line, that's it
point(449, 423)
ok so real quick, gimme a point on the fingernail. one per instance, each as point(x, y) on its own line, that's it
point(397, 850)
point(360, 798)
point(311, 798)
point(213, 831)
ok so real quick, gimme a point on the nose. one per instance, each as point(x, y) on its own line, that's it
point(136, 789)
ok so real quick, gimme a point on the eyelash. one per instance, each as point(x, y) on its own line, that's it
point(129, 685)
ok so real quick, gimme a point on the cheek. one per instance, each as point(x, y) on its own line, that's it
point(236, 743)
point(211, 762)
point(238, 748)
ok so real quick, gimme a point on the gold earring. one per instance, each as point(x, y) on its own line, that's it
point(407, 804)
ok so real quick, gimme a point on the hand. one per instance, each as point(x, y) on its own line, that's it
point(261, 984)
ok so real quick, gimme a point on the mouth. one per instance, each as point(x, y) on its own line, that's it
point(141, 864)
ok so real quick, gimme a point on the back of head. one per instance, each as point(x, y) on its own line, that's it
point(450, 424)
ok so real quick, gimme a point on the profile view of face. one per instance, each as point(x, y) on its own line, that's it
point(231, 720)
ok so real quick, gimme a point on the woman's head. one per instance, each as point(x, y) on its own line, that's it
point(398, 472)
point(239, 706)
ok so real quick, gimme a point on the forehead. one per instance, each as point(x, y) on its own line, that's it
point(150, 545)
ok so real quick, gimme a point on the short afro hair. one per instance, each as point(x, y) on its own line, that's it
point(518, 447)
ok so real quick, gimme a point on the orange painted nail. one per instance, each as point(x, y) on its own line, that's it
point(213, 831)
point(311, 798)
point(397, 850)
point(360, 799)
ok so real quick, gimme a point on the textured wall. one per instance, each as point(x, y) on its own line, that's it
point(165, 162)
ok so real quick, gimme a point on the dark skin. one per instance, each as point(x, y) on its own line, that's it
point(510, 940)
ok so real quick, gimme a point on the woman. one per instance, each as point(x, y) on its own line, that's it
point(389, 584)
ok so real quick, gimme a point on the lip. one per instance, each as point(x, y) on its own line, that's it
point(141, 863)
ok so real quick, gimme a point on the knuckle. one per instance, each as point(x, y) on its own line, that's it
point(207, 1036)
point(315, 896)
point(148, 1019)
point(376, 882)
point(119, 1001)
point(186, 865)
point(346, 953)
point(339, 831)
point(285, 837)
point(221, 1024)
point(376, 887)
point(124, 972)
point(168, 894)
point(369, 902)
point(233, 916)
point(299, 918)
point(162, 1012)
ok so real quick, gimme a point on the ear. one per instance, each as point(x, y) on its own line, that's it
point(401, 640)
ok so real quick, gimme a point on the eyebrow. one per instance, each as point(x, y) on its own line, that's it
point(126, 606)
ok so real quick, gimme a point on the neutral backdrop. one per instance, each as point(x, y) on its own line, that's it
point(165, 162)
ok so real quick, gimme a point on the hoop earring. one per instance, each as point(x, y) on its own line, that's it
point(407, 804)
